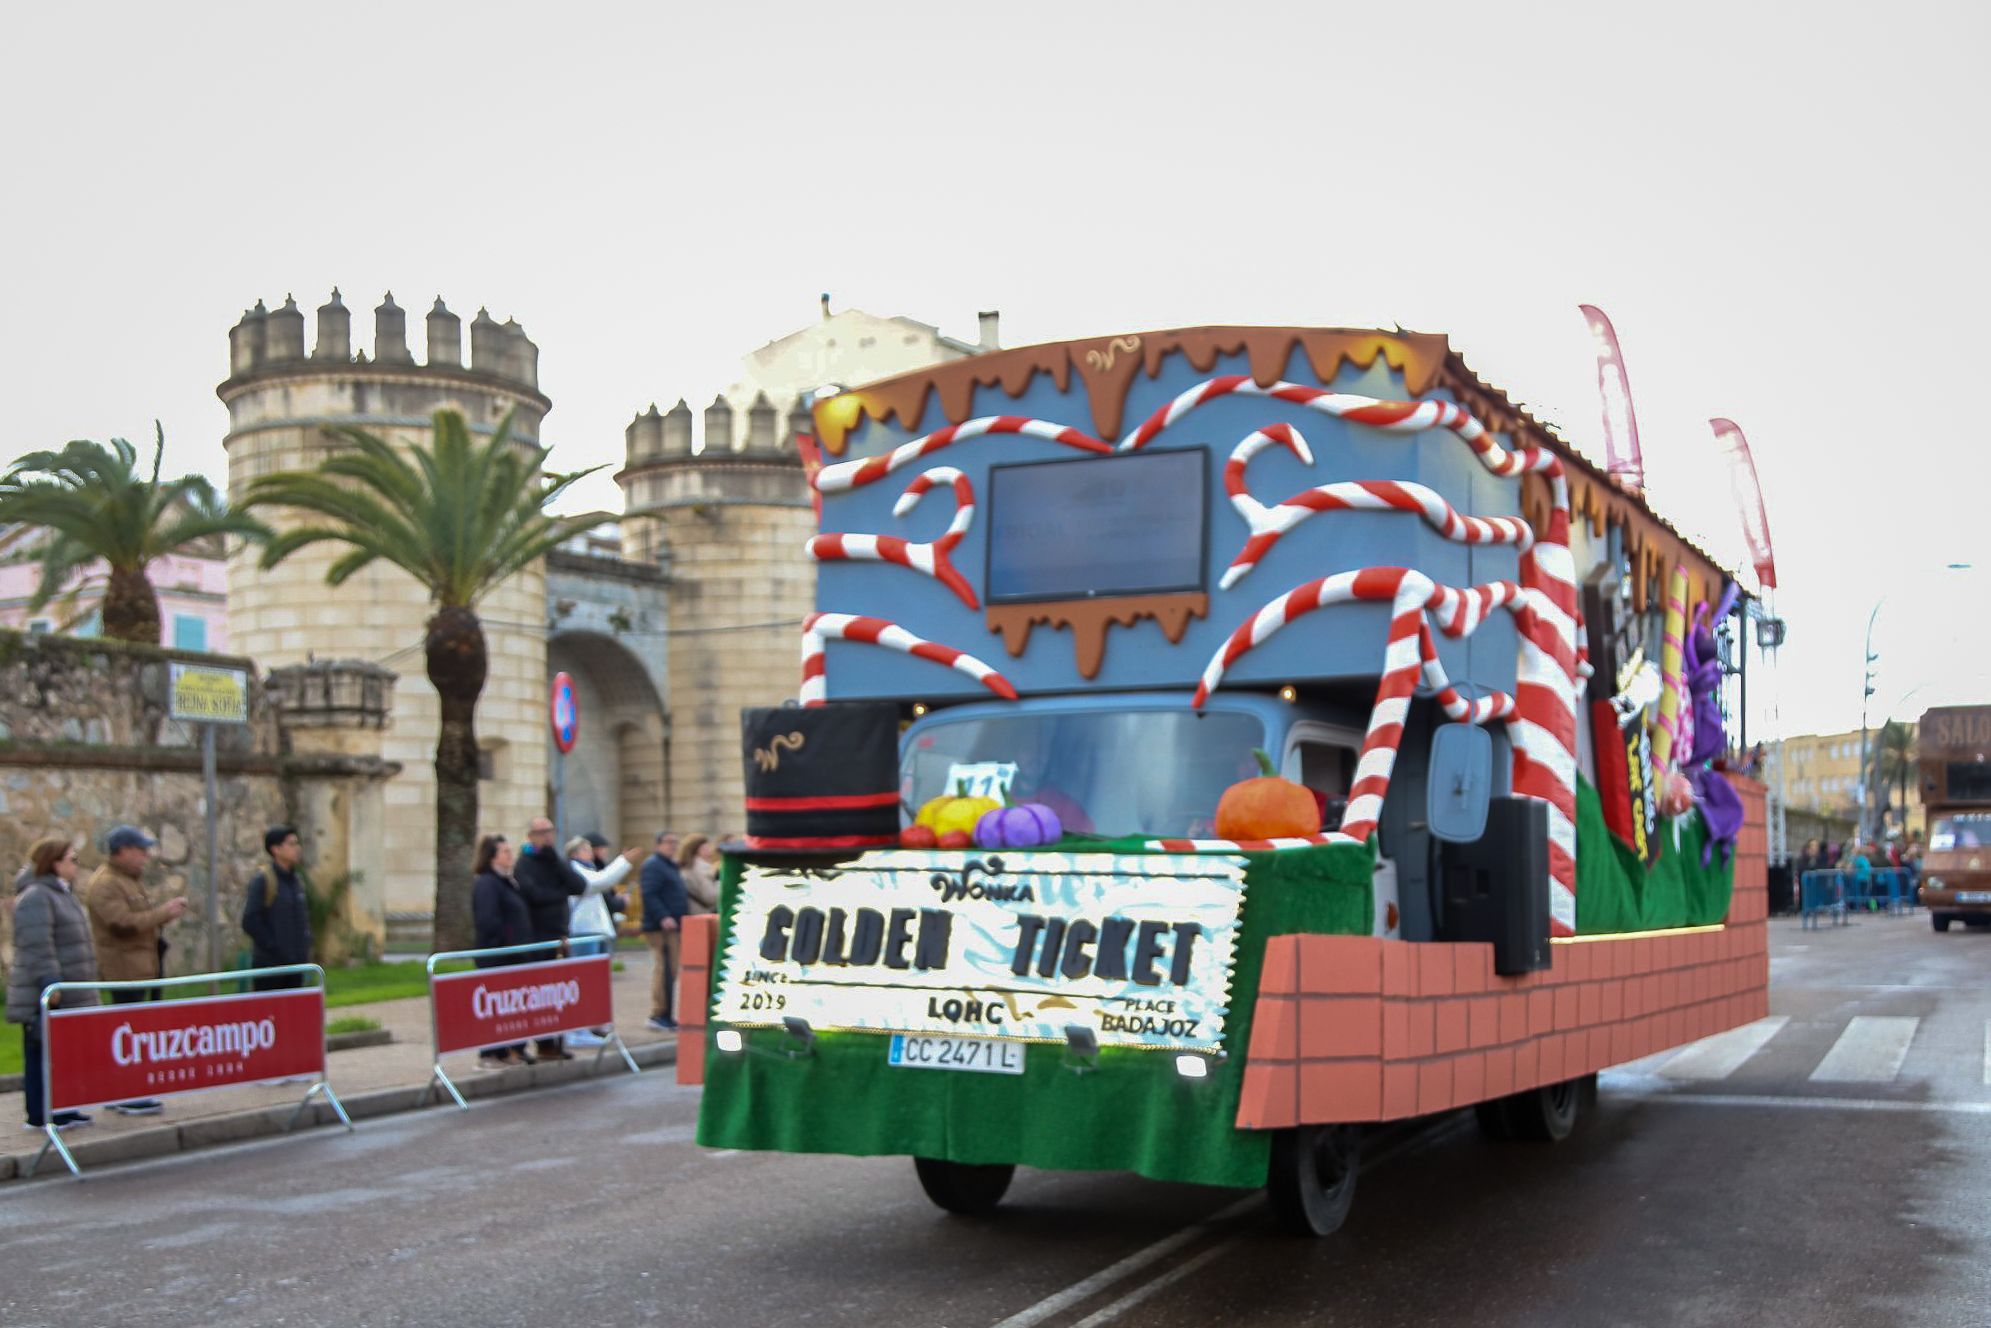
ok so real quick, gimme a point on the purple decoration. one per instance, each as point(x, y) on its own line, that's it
point(1027, 825)
point(1721, 806)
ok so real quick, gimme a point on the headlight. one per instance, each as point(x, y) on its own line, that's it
point(1932, 883)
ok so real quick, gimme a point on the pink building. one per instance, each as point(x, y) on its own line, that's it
point(193, 601)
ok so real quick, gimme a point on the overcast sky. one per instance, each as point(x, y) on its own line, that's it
point(1782, 214)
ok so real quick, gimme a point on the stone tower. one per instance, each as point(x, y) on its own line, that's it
point(728, 525)
point(281, 399)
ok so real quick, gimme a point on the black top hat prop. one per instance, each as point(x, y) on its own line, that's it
point(822, 779)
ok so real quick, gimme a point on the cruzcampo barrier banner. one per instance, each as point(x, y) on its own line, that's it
point(491, 1007)
point(1016, 944)
point(118, 1053)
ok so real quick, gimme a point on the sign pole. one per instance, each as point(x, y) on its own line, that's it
point(210, 796)
point(560, 798)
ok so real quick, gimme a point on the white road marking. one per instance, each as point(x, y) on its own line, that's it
point(1114, 1309)
point(1987, 1051)
point(1869, 1051)
point(1139, 1259)
point(1620, 1093)
point(1719, 1056)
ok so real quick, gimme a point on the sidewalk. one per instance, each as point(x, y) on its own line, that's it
point(371, 1081)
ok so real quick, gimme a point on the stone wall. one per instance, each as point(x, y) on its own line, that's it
point(86, 745)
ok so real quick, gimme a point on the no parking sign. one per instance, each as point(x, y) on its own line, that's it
point(566, 713)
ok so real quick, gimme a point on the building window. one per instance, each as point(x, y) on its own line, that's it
point(92, 625)
point(189, 632)
point(40, 626)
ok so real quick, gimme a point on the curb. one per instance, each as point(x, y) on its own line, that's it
point(259, 1122)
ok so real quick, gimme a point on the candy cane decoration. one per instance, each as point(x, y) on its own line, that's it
point(846, 475)
point(1543, 728)
point(1673, 696)
point(818, 629)
point(929, 558)
point(1267, 524)
point(1410, 656)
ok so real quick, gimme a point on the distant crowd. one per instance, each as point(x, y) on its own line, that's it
point(111, 928)
point(545, 892)
point(1862, 859)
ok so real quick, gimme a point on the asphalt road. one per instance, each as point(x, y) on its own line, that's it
point(1735, 1184)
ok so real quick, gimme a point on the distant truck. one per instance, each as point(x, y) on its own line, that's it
point(1954, 756)
point(1473, 875)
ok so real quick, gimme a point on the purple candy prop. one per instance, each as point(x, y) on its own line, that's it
point(1027, 825)
point(1721, 806)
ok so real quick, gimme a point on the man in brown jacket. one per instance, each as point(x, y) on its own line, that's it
point(125, 925)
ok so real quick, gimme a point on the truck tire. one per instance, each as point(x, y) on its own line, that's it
point(1311, 1182)
point(962, 1187)
point(1940, 921)
point(1547, 1114)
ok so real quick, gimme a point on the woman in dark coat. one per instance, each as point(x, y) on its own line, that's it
point(51, 944)
point(501, 918)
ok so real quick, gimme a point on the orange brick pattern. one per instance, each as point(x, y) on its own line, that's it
point(1356, 1028)
point(694, 986)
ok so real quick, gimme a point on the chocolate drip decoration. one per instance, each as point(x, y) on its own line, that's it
point(1088, 620)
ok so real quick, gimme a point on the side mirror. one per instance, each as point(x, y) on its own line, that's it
point(1460, 782)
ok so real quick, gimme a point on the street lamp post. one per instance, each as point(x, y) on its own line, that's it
point(1866, 695)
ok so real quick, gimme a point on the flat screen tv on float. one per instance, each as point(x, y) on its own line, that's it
point(1105, 526)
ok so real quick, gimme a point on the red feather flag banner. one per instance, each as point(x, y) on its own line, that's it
point(1624, 461)
point(1748, 499)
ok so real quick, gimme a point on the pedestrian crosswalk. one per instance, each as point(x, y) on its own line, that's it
point(1938, 1051)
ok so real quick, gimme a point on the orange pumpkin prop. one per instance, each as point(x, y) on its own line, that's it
point(1267, 807)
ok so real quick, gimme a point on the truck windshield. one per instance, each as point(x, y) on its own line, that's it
point(1954, 832)
point(1106, 772)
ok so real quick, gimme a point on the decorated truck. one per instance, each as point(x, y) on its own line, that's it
point(1275, 732)
point(1954, 743)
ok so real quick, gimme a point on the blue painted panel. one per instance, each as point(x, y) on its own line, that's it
point(1334, 644)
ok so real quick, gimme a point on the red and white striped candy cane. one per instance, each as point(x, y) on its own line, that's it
point(1543, 729)
point(846, 475)
point(818, 629)
point(930, 558)
point(1267, 524)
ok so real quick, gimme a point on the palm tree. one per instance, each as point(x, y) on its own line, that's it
point(89, 503)
point(1894, 763)
point(458, 516)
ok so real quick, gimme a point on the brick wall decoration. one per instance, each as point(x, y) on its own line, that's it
point(694, 986)
point(1357, 1028)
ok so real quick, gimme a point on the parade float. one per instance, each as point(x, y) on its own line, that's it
point(1282, 733)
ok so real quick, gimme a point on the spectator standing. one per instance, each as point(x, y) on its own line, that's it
point(591, 923)
point(603, 855)
point(51, 944)
point(125, 926)
point(698, 863)
point(549, 883)
point(664, 903)
point(276, 914)
point(500, 918)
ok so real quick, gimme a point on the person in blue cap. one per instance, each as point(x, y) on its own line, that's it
point(125, 926)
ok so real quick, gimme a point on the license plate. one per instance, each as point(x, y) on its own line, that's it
point(1973, 896)
point(987, 1055)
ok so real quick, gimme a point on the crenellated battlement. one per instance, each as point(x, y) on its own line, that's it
point(272, 340)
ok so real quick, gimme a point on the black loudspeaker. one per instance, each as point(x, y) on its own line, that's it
point(822, 777)
point(1496, 888)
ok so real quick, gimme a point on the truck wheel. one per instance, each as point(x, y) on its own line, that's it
point(1548, 1114)
point(1312, 1179)
point(1939, 921)
point(962, 1187)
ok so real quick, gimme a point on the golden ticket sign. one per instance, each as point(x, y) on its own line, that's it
point(1012, 944)
point(210, 695)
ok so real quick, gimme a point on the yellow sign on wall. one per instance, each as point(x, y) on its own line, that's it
point(210, 695)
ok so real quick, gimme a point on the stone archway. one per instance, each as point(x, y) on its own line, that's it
point(615, 774)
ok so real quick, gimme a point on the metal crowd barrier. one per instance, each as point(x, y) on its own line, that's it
point(464, 1035)
point(219, 1070)
point(1822, 894)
